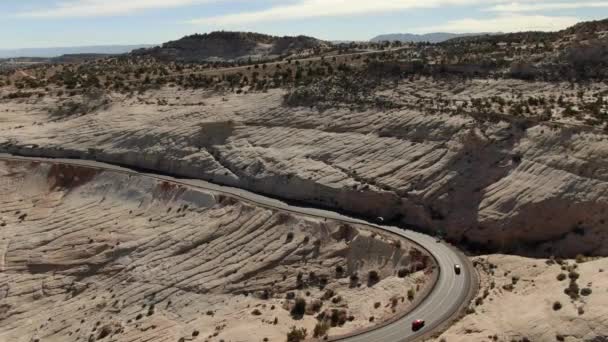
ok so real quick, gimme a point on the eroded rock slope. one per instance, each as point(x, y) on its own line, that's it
point(498, 184)
point(88, 255)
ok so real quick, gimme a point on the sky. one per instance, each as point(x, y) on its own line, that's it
point(61, 23)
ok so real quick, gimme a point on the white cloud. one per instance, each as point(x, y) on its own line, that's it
point(95, 8)
point(330, 8)
point(548, 6)
point(504, 23)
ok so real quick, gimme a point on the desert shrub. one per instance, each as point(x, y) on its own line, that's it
point(557, 306)
point(402, 273)
point(256, 312)
point(354, 280)
point(394, 302)
point(315, 306)
point(580, 259)
point(373, 278)
point(338, 317)
point(296, 335)
point(573, 275)
point(339, 271)
point(561, 276)
point(410, 294)
point(586, 291)
point(572, 290)
point(299, 308)
point(321, 329)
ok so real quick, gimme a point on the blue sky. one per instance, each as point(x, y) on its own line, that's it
point(52, 23)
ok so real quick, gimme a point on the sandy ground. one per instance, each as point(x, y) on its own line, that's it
point(518, 298)
point(88, 256)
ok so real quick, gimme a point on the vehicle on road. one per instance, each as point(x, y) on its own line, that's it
point(457, 269)
point(418, 324)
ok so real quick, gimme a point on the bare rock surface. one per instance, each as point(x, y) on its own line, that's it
point(524, 300)
point(499, 184)
point(87, 255)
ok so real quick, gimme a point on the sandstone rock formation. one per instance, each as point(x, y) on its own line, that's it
point(92, 256)
point(500, 184)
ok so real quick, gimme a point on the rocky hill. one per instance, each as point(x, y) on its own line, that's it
point(230, 46)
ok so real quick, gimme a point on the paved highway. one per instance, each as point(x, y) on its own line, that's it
point(447, 297)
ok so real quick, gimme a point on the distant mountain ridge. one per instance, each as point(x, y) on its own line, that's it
point(436, 37)
point(75, 50)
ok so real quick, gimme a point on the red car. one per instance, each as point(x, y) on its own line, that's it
point(417, 324)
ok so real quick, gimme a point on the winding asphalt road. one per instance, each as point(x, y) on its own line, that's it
point(445, 300)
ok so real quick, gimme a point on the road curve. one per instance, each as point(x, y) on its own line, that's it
point(445, 300)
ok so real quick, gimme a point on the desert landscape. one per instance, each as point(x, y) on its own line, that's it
point(88, 255)
point(525, 299)
point(493, 147)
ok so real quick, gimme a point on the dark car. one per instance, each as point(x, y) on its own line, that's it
point(417, 324)
point(457, 269)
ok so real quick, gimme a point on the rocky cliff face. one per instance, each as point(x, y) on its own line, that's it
point(498, 185)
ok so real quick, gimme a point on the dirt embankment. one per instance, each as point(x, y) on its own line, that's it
point(86, 255)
